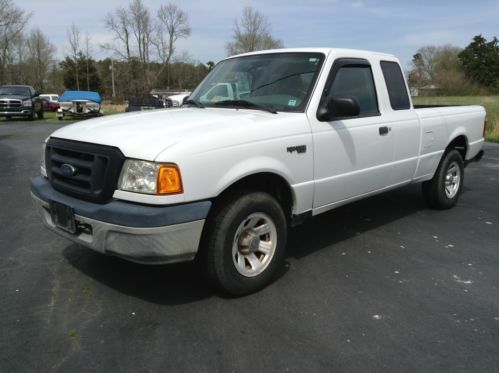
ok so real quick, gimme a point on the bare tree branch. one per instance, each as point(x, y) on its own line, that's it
point(119, 24)
point(252, 33)
point(12, 22)
point(40, 57)
point(173, 24)
point(74, 39)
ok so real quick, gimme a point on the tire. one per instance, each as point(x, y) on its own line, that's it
point(31, 116)
point(245, 243)
point(40, 115)
point(442, 192)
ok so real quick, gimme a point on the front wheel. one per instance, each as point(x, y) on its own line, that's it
point(245, 243)
point(442, 192)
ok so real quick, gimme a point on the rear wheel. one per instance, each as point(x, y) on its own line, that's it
point(245, 243)
point(442, 192)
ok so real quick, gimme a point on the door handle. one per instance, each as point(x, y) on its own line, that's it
point(383, 131)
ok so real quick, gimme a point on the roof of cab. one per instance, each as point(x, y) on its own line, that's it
point(325, 51)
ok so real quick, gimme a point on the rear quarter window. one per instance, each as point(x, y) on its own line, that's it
point(395, 83)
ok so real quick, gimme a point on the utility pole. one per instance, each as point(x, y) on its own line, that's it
point(112, 76)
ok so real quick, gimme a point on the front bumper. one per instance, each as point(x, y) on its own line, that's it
point(12, 112)
point(139, 233)
point(60, 113)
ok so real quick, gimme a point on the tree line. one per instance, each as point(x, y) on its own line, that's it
point(143, 54)
point(454, 71)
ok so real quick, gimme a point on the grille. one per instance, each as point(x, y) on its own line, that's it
point(6, 104)
point(83, 170)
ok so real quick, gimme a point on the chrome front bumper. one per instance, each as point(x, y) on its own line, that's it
point(16, 113)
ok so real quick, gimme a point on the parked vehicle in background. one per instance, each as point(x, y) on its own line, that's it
point(79, 104)
point(178, 99)
point(20, 101)
point(167, 102)
point(52, 97)
point(50, 105)
point(284, 135)
point(144, 103)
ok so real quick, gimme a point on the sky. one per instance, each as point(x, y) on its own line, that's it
point(397, 27)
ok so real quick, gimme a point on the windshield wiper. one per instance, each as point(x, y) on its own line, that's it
point(245, 104)
point(281, 78)
point(195, 103)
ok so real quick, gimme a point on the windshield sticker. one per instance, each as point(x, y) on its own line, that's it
point(292, 103)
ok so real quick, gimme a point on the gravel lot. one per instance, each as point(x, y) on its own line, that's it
point(382, 285)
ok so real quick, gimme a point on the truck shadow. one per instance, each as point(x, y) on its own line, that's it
point(161, 284)
point(184, 282)
point(354, 219)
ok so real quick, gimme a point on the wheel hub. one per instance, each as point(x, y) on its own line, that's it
point(254, 244)
point(452, 180)
point(248, 242)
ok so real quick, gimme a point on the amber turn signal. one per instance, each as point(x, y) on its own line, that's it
point(169, 180)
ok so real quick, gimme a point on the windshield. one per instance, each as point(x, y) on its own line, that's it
point(15, 91)
point(276, 81)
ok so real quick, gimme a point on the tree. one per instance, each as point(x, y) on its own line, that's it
point(141, 26)
point(480, 61)
point(119, 24)
point(40, 58)
point(132, 28)
point(12, 22)
point(69, 65)
point(73, 35)
point(439, 66)
point(173, 24)
point(252, 33)
point(88, 51)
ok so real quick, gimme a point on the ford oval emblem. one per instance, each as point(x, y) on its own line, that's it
point(68, 170)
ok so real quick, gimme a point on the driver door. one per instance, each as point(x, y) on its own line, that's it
point(351, 155)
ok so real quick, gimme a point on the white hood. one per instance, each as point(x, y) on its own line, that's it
point(145, 135)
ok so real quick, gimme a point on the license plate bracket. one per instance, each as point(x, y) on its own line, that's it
point(63, 216)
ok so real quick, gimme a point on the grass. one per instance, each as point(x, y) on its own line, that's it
point(110, 109)
point(491, 104)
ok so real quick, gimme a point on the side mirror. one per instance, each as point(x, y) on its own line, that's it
point(337, 107)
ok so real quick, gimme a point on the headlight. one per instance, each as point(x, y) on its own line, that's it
point(150, 178)
point(27, 103)
point(43, 170)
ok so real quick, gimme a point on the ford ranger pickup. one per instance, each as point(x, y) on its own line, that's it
point(267, 139)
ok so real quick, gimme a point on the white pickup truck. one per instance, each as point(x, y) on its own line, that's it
point(267, 139)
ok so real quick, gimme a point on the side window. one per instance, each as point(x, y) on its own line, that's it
point(397, 91)
point(356, 81)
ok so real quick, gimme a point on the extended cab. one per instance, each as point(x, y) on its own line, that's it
point(267, 139)
point(20, 101)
